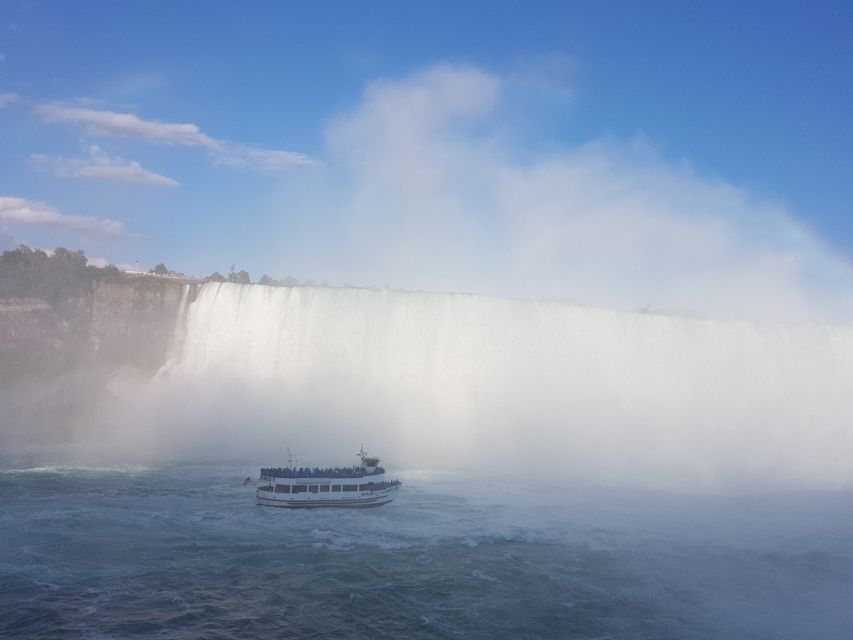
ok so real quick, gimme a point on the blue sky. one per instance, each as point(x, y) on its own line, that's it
point(754, 97)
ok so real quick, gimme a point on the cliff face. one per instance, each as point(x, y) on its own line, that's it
point(127, 322)
point(133, 322)
point(31, 337)
point(55, 362)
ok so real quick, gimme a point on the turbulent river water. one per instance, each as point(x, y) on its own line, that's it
point(181, 551)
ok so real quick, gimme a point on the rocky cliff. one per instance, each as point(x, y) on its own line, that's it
point(134, 321)
point(56, 360)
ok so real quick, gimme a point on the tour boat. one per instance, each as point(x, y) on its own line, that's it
point(359, 486)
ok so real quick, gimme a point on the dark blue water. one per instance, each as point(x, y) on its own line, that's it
point(183, 552)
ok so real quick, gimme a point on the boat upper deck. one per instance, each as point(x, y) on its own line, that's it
point(317, 472)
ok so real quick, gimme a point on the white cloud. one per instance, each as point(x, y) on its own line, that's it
point(109, 123)
point(99, 122)
point(7, 99)
point(233, 154)
point(100, 165)
point(436, 198)
point(23, 211)
point(8, 240)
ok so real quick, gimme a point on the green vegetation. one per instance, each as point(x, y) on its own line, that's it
point(289, 281)
point(65, 275)
point(56, 278)
point(239, 277)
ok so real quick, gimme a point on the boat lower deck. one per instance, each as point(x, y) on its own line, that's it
point(355, 503)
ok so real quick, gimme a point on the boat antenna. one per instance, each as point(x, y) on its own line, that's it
point(289, 458)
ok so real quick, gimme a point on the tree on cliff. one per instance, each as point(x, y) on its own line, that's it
point(110, 272)
point(270, 282)
point(56, 278)
point(290, 281)
point(240, 277)
point(160, 270)
point(215, 277)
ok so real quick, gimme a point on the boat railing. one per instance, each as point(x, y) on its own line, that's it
point(316, 472)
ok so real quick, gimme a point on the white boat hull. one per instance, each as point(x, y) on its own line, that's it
point(314, 502)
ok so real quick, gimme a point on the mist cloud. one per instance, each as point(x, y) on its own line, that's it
point(434, 192)
point(484, 383)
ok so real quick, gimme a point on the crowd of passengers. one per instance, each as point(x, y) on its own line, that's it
point(386, 484)
point(317, 472)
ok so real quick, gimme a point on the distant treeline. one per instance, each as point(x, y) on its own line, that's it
point(64, 275)
point(57, 277)
point(243, 277)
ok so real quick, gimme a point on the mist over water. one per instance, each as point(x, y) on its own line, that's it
point(460, 381)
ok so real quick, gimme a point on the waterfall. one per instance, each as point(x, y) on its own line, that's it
point(535, 382)
point(179, 331)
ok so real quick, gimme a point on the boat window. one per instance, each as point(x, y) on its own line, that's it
point(313, 488)
point(350, 487)
point(300, 488)
point(282, 488)
point(336, 487)
point(324, 488)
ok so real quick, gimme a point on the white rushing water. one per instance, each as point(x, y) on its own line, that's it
point(659, 400)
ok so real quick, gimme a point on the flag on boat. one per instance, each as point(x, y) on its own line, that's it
point(248, 481)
